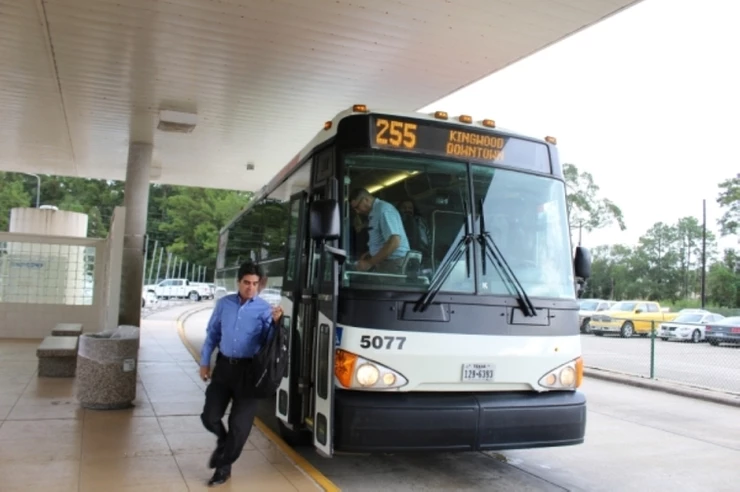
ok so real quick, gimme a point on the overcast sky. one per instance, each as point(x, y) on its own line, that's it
point(647, 101)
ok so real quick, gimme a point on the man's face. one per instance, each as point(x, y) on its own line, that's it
point(406, 208)
point(248, 286)
point(362, 205)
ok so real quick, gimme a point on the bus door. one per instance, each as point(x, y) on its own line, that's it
point(289, 404)
point(324, 225)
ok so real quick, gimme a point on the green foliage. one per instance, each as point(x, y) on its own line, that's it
point(183, 219)
point(193, 218)
point(729, 200)
point(586, 208)
point(12, 194)
point(666, 266)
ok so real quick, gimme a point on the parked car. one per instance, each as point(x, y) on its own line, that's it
point(725, 331)
point(208, 292)
point(629, 317)
point(178, 288)
point(587, 309)
point(688, 326)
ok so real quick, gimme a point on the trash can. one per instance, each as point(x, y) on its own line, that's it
point(106, 368)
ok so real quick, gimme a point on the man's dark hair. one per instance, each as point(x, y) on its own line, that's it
point(358, 193)
point(249, 268)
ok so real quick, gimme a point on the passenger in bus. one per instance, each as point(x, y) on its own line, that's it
point(387, 242)
point(359, 235)
point(239, 325)
point(416, 227)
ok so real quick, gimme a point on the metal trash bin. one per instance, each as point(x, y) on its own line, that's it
point(107, 367)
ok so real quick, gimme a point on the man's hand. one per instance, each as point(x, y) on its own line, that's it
point(205, 373)
point(363, 265)
point(277, 314)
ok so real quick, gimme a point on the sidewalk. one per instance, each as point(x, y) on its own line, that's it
point(48, 442)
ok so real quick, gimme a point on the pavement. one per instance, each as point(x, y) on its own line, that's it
point(48, 442)
point(636, 439)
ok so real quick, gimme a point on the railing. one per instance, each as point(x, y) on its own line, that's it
point(680, 357)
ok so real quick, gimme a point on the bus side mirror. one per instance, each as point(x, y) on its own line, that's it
point(582, 263)
point(324, 220)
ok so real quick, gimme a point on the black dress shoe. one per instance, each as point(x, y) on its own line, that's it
point(221, 475)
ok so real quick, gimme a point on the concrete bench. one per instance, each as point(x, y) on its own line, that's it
point(57, 357)
point(67, 330)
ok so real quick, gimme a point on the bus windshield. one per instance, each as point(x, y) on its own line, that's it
point(427, 202)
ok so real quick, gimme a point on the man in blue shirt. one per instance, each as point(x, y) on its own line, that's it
point(239, 326)
point(387, 243)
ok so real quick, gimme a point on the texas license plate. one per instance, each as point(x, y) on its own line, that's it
point(477, 373)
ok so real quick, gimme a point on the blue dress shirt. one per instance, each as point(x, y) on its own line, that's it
point(238, 330)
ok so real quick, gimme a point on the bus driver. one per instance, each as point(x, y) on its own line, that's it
point(387, 244)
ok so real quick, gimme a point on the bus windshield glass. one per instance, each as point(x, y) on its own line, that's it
point(526, 216)
point(422, 202)
point(426, 204)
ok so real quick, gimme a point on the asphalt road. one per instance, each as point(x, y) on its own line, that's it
point(682, 362)
point(636, 439)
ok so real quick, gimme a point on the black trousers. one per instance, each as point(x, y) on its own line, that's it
point(229, 383)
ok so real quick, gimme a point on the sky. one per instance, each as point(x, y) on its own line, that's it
point(647, 101)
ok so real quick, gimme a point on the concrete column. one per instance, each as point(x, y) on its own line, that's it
point(136, 201)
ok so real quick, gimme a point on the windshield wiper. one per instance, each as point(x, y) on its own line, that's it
point(447, 267)
point(490, 250)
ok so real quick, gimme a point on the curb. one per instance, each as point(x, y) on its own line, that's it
point(698, 393)
point(300, 462)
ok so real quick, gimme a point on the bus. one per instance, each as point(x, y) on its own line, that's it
point(471, 341)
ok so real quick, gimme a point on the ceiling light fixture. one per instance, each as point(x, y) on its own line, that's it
point(176, 121)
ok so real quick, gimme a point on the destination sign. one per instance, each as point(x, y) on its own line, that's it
point(428, 137)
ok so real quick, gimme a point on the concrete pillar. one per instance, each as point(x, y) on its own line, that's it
point(136, 201)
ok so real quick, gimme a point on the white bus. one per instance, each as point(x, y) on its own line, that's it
point(472, 341)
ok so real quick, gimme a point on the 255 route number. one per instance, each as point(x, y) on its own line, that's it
point(395, 133)
point(378, 342)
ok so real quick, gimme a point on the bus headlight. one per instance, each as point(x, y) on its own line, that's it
point(354, 372)
point(367, 374)
point(569, 376)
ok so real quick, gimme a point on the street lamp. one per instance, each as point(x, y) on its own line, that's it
point(38, 186)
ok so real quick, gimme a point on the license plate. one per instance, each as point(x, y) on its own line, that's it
point(477, 373)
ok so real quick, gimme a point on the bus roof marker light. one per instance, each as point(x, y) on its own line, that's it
point(551, 140)
point(440, 115)
point(489, 123)
point(327, 125)
point(359, 108)
point(464, 118)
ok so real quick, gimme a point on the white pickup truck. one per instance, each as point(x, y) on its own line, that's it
point(179, 288)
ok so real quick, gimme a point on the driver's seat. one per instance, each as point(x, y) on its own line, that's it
point(411, 264)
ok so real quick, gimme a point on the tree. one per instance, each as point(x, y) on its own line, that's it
point(689, 234)
point(729, 201)
point(586, 208)
point(722, 284)
point(731, 260)
point(193, 218)
point(660, 256)
point(12, 195)
point(664, 266)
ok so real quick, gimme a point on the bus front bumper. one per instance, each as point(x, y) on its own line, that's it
point(395, 422)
